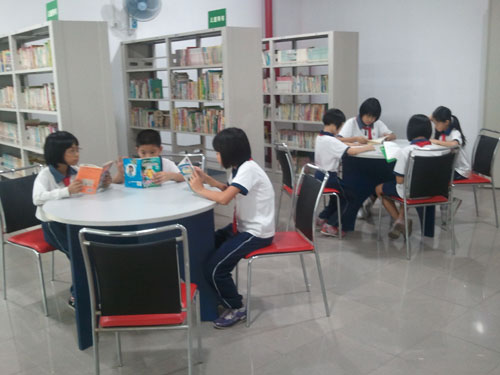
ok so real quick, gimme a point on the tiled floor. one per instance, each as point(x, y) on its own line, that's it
point(435, 314)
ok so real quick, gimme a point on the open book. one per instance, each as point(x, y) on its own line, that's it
point(376, 141)
point(92, 176)
point(186, 168)
point(390, 151)
point(139, 172)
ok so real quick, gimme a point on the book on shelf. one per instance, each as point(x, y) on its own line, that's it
point(208, 86)
point(208, 120)
point(36, 131)
point(139, 172)
point(7, 97)
point(198, 56)
point(40, 97)
point(92, 176)
point(186, 168)
point(8, 132)
point(8, 161)
point(151, 88)
point(149, 118)
point(298, 139)
point(35, 56)
point(5, 61)
point(302, 55)
point(316, 84)
point(301, 112)
point(266, 58)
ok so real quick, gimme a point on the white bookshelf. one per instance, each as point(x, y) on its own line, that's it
point(80, 72)
point(154, 58)
point(340, 64)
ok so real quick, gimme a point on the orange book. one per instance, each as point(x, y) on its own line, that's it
point(92, 176)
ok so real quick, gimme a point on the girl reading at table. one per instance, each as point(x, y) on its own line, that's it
point(253, 224)
point(57, 181)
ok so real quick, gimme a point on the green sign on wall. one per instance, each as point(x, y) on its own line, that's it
point(217, 18)
point(52, 11)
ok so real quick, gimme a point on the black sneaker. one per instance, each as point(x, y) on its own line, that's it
point(71, 303)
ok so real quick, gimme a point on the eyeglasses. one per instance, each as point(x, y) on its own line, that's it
point(74, 150)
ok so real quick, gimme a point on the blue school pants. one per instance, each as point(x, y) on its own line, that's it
point(330, 211)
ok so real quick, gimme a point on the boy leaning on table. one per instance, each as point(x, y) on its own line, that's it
point(148, 145)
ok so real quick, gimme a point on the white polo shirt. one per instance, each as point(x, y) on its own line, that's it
point(168, 165)
point(255, 202)
point(328, 151)
point(462, 166)
point(351, 129)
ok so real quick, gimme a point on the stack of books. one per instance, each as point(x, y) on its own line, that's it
point(36, 131)
point(35, 56)
point(7, 98)
point(149, 118)
point(198, 56)
point(9, 161)
point(302, 55)
point(209, 86)
point(301, 112)
point(8, 132)
point(5, 61)
point(146, 89)
point(209, 120)
point(40, 97)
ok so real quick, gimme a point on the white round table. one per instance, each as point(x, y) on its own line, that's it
point(121, 208)
point(377, 154)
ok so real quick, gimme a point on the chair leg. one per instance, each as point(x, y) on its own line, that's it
point(494, 203)
point(452, 223)
point(190, 343)
point(279, 208)
point(422, 232)
point(4, 275)
point(249, 285)
point(322, 283)
point(379, 235)
point(42, 284)
point(236, 274)
point(304, 272)
point(95, 339)
point(119, 349)
point(198, 327)
point(339, 213)
point(53, 265)
point(475, 199)
point(408, 250)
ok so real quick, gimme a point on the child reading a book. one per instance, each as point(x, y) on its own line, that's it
point(328, 152)
point(253, 226)
point(57, 181)
point(148, 145)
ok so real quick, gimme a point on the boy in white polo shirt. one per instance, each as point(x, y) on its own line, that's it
point(328, 151)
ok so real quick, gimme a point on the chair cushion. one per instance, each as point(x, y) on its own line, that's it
point(474, 179)
point(330, 191)
point(33, 239)
point(288, 189)
point(284, 242)
point(429, 200)
point(148, 319)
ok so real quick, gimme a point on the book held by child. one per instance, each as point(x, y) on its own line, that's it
point(92, 176)
point(139, 173)
point(186, 168)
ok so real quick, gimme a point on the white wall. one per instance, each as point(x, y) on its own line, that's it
point(413, 55)
point(175, 17)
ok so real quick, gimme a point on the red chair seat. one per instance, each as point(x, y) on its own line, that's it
point(148, 319)
point(284, 242)
point(288, 189)
point(473, 179)
point(436, 199)
point(330, 191)
point(33, 239)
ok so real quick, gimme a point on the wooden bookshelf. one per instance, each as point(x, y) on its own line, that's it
point(78, 67)
point(241, 86)
point(339, 64)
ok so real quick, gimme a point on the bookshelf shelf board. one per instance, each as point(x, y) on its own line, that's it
point(6, 73)
point(38, 112)
point(220, 101)
point(188, 67)
point(34, 71)
point(146, 70)
point(299, 93)
point(9, 143)
point(143, 128)
point(299, 122)
point(194, 133)
point(298, 65)
point(148, 100)
point(34, 149)
point(7, 109)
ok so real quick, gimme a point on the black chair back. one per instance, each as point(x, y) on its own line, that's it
point(16, 197)
point(308, 195)
point(285, 159)
point(484, 154)
point(430, 174)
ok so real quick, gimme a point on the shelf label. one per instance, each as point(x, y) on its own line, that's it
point(217, 18)
point(52, 10)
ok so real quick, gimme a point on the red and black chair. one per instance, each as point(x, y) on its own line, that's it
point(483, 159)
point(135, 284)
point(428, 182)
point(18, 214)
point(305, 201)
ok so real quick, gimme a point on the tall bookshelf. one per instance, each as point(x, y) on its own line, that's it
point(304, 75)
point(56, 75)
point(226, 60)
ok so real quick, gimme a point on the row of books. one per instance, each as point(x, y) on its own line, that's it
point(301, 55)
point(40, 97)
point(299, 139)
point(36, 131)
point(9, 161)
point(7, 97)
point(8, 132)
point(209, 86)
point(298, 84)
point(198, 56)
point(300, 112)
point(35, 56)
point(5, 61)
point(146, 88)
point(149, 118)
point(209, 120)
